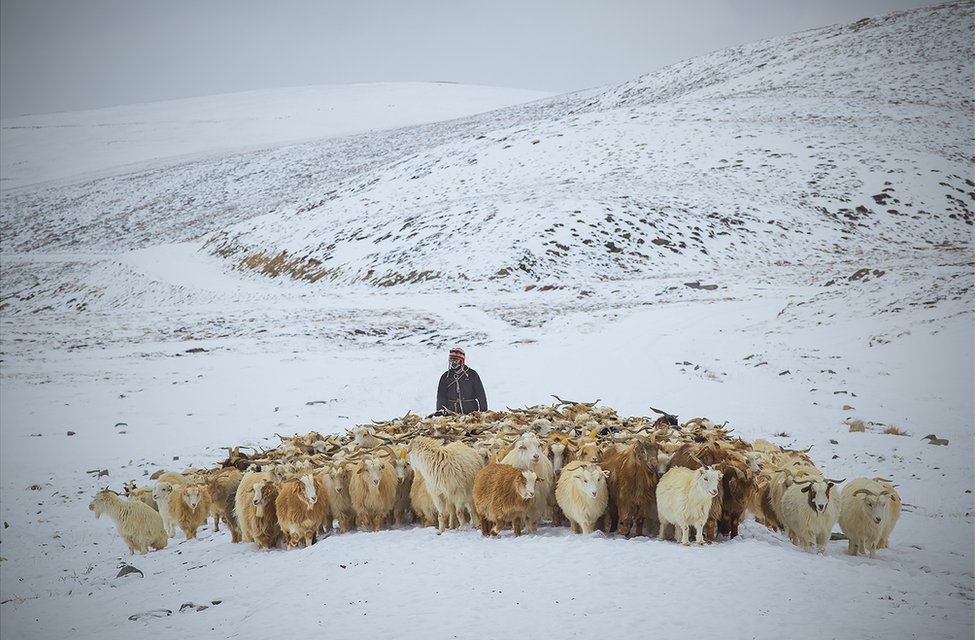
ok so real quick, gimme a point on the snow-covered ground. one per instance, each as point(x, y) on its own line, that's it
point(107, 285)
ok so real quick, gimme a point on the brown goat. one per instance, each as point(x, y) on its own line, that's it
point(503, 494)
point(632, 484)
point(737, 488)
point(266, 531)
point(223, 486)
point(301, 506)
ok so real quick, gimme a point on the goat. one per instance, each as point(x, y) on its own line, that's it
point(864, 514)
point(527, 454)
point(631, 484)
point(581, 493)
point(503, 493)
point(421, 502)
point(161, 494)
point(808, 512)
point(449, 472)
point(402, 513)
point(684, 499)
point(189, 507)
point(137, 523)
point(254, 506)
point(222, 486)
point(340, 501)
point(300, 510)
point(373, 489)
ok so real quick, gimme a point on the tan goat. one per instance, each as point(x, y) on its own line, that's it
point(189, 507)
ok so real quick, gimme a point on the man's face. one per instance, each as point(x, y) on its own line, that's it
point(454, 362)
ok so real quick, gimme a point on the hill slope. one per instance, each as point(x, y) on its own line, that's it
point(62, 146)
point(844, 139)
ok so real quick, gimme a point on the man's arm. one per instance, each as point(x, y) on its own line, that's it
point(441, 394)
point(479, 392)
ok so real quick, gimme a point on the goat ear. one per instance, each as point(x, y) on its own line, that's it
point(805, 489)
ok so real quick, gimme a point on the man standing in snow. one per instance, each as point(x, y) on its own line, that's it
point(460, 389)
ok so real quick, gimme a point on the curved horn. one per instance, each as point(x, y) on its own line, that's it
point(835, 481)
point(867, 491)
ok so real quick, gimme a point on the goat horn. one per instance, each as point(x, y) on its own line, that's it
point(882, 480)
point(835, 481)
point(867, 491)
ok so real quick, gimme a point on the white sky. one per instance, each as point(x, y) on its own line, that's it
point(66, 55)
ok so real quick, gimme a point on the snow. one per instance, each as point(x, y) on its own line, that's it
point(107, 284)
point(42, 148)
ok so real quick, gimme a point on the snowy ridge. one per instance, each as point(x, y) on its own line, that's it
point(822, 136)
point(72, 146)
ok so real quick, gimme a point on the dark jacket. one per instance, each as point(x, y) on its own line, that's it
point(462, 383)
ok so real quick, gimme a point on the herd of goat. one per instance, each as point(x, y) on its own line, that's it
point(572, 462)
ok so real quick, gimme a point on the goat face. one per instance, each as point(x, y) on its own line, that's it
point(258, 491)
point(340, 478)
point(818, 494)
point(528, 449)
point(875, 506)
point(589, 480)
point(527, 491)
point(308, 486)
point(401, 467)
point(97, 506)
point(589, 453)
point(361, 434)
point(558, 450)
point(708, 479)
point(161, 491)
point(192, 496)
point(374, 469)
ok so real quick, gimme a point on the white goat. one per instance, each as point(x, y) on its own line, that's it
point(864, 514)
point(161, 493)
point(684, 498)
point(449, 472)
point(581, 493)
point(139, 525)
point(809, 514)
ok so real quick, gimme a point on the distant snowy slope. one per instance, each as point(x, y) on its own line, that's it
point(791, 149)
point(837, 142)
point(46, 147)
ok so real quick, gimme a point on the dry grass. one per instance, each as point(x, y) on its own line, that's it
point(857, 425)
point(895, 431)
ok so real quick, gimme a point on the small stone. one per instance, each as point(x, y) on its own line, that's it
point(71, 433)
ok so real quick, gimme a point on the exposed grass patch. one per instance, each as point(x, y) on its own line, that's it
point(895, 431)
point(857, 426)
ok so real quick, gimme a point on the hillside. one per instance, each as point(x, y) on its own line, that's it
point(73, 146)
point(853, 138)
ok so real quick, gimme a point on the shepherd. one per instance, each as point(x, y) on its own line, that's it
point(460, 389)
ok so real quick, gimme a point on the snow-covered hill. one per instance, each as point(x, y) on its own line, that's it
point(778, 235)
point(69, 146)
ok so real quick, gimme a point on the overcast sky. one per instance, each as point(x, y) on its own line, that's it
point(66, 55)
